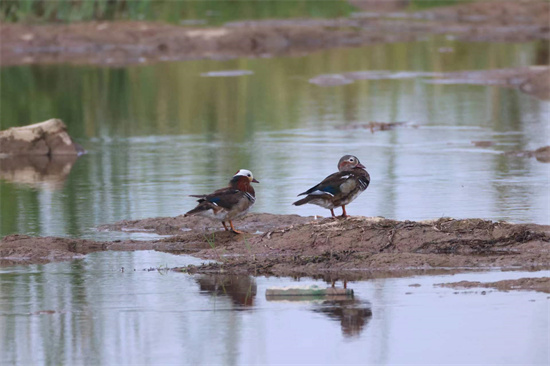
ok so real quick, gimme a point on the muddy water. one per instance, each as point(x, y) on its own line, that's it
point(158, 133)
point(89, 311)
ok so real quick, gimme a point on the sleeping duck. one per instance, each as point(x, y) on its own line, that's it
point(338, 189)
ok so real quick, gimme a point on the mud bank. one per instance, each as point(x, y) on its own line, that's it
point(542, 154)
point(367, 244)
point(290, 245)
point(23, 249)
point(122, 42)
point(531, 284)
point(533, 80)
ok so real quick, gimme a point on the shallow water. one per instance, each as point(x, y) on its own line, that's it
point(89, 311)
point(156, 134)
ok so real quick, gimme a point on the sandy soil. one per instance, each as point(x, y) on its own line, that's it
point(123, 42)
point(531, 284)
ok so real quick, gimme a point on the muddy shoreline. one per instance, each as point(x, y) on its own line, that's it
point(531, 284)
point(357, 248)
point(291, 245)
point(120, 43)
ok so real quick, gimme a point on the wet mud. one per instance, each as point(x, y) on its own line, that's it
point(23, 249)
point(531, 284)
point(367, 244)
point(130, 42)
point(291, 245)
point(542, 154)
point(533, 80)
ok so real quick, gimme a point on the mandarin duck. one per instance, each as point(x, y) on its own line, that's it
point(340, 188)
point(227, 204)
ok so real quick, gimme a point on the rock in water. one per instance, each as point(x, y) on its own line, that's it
point(542, 154)
point(44, 138)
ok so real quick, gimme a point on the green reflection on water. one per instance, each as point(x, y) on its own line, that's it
point(158, 133)
point(173, 98)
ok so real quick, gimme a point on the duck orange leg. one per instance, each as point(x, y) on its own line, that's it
point(332, 212)
point(224, 226)
point(233, 229)
point(344, 214)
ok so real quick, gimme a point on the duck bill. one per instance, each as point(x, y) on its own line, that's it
point(359, 165)
point(255, 181)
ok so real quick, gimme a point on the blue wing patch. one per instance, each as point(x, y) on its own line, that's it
point(330, 189)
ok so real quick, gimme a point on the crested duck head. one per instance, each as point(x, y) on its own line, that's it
point(348, 162)
point(247, 174)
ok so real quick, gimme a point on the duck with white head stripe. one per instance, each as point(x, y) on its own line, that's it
point(228, 203)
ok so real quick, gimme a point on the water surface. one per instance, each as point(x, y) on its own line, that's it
point(89, 311)
point(156, 134)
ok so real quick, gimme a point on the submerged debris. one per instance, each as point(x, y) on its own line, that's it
point(227, 73)
point(376, 126)
point(483, 143)
point(532, 284)
point(330, 80)
point(542, 154)
point(533, 80)
point(292, 293)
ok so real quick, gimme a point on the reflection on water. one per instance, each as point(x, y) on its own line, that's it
point(89, 311)
point(353, 314)
point(49, 172)
point(240, 289)
point(158, 133)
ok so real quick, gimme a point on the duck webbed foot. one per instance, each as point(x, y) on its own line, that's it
point(344, 214)
point(233, 230)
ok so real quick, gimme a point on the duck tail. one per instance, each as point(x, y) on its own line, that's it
point(303, 201)
point(200, 208)
point(190, 213)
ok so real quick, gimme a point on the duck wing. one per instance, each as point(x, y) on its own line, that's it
point(226, 198)
point(338, 183)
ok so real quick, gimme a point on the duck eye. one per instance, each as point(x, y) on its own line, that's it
point(351, 160)
point(248, 175)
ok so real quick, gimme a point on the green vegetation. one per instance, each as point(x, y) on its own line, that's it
point(205, 12)
point(212, 242)
point(425, 4)
point(195, 12)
